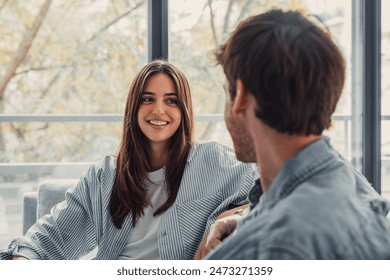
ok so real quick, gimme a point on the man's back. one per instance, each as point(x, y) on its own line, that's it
point(284, 78)
point(318, 207)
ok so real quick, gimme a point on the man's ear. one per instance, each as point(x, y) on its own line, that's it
point(241, 99)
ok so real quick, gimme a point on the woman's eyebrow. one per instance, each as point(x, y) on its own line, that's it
point(165, 94)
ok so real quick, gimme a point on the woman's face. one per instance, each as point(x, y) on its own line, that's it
point(159, 115)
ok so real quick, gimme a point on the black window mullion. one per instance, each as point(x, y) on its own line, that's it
point(366, 89)
point(357, 67)
point(157, 29)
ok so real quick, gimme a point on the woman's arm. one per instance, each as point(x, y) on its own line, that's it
point(72, 228)
point(55, 236)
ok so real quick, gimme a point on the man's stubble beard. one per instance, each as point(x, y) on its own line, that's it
point(242, 140)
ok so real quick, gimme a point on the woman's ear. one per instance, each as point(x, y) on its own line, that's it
point(241, 99)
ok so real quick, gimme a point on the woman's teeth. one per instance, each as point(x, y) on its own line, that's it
point(159, 123)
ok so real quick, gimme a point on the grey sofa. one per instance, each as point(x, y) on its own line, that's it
point(38, 203)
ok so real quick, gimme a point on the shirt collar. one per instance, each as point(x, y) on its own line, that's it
point(298, 168)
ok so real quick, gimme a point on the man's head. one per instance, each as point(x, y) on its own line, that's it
point(293, 69)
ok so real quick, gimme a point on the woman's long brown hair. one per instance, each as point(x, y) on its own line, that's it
point(133, 161)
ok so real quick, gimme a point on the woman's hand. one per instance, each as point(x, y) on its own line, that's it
point(222, 228)
point(19, 258)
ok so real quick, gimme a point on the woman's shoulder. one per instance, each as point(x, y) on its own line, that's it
point(211, 145)
point(204, 152)
point(98, 178)
point(211, 149)
point(103, 167)
point(106, 162)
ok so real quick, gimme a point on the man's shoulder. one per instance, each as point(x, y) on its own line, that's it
point(311, 225)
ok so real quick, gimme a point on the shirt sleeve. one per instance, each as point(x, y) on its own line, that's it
point(68, 232)
point(238, 191)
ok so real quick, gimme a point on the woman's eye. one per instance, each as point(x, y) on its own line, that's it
point(147, 99)
point(172, 101)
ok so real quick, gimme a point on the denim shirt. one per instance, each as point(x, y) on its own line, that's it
point(318, 207)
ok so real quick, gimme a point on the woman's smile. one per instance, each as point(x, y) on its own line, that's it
point(159, 123)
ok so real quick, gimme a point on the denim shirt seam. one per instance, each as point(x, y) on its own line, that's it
point(274, 246)
point(304, 175)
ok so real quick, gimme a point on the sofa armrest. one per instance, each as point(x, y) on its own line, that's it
point(29, 206)
point(39, 203)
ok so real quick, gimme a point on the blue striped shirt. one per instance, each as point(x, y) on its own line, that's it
point(213, 180)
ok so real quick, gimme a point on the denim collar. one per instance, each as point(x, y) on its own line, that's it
point(299, 168)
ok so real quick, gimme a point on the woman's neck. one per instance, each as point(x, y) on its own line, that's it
point(157, 157)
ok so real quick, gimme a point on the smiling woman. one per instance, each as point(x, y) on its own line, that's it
point(151, 145)
point(157, 197)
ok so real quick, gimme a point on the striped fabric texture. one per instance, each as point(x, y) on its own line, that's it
point(81, 226)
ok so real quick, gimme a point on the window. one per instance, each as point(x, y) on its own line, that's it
point(62, 105)
point(196, 28)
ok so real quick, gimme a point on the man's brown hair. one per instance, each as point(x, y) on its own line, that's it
point(291, 66)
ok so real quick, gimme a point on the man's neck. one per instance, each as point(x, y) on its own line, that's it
point(274, 149)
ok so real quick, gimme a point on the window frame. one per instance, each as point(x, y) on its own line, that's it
point(366, 84)
point(366, 95)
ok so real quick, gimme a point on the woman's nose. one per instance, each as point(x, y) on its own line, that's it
point(158, 109)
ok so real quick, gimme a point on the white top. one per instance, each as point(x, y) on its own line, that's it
point(142, 242)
